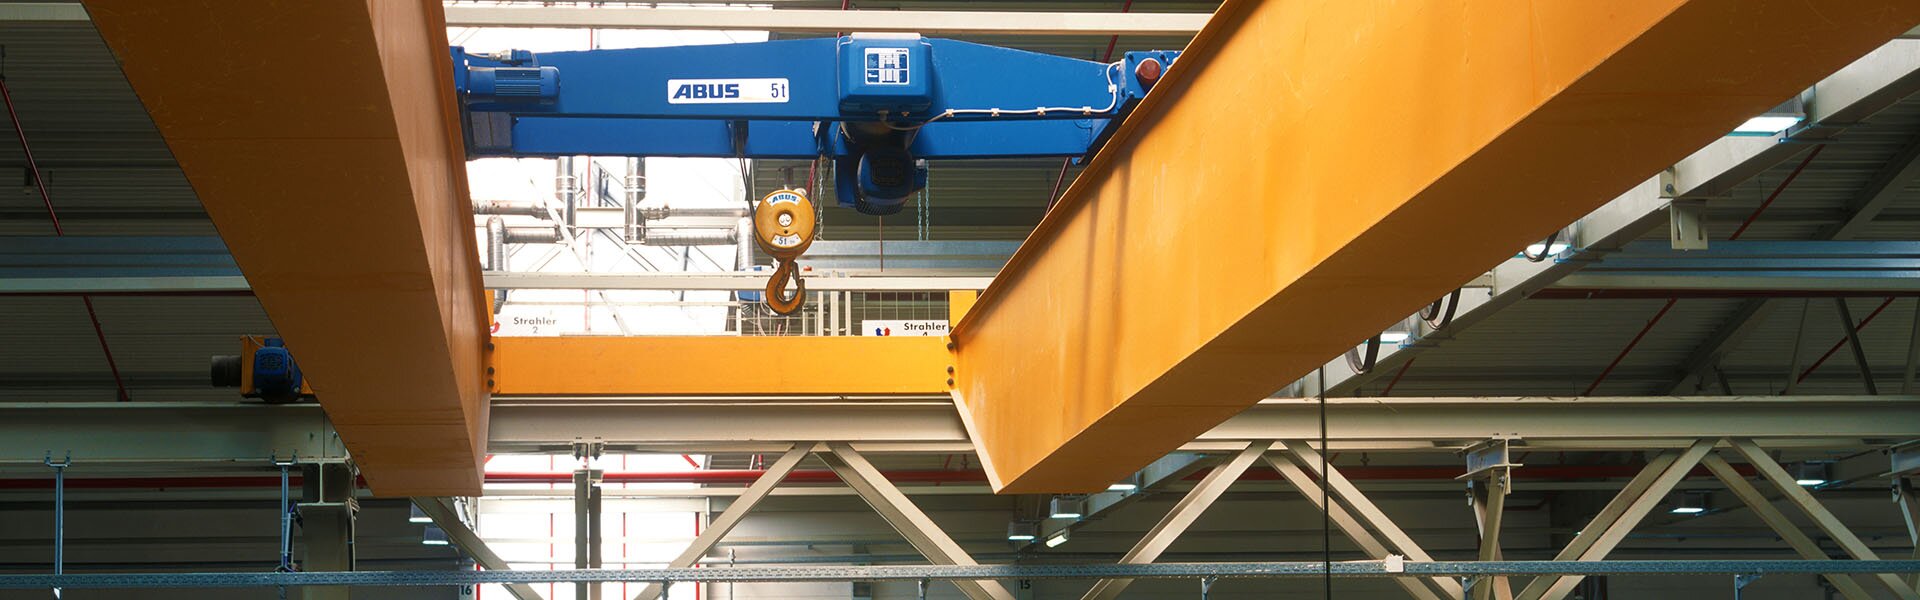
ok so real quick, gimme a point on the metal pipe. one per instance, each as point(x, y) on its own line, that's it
point(496, 244)
point(286, 517)
point(684, 237)
point(636, 184)
point(505, 208)
point(743, 245)
point(497, 256)
point(652, 214)
point(533, 235)
point(568, 187)
point(59, 514)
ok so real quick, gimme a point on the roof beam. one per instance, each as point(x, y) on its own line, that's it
point(927, 22)
point(764, 424)
point(373, 279)
point(1838, 103)
point(1163, 314)
point(1887, 184)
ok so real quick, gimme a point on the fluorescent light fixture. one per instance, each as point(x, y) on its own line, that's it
point(1775, 120)
point(1124, 486)
point(434, 537)
point(1810, 474)
point(1057, 539)
point(1393, 337)
point(1690, 503)
point(1537, 249)
point(1023, 531)
point(417, 516)
point(1766, 125)
point(1068, 507)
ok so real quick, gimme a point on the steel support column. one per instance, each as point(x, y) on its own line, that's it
point(1488, 493)
point(921, 532)
point(1822, 518)
point(1175, 303)
point(327, 521)
point(732, 516)
point(447, 517)
point(1354, 530)
point(1909, 503)
point(1348, 495)
point(586, 527)
point(1179, 518)
point(1781, 525)
point(1617, 519)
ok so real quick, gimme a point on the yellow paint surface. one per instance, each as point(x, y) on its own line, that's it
point(720, 365)
point(1314, 170)
point(322, 138)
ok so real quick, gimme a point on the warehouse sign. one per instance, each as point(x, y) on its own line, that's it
point(922, 327)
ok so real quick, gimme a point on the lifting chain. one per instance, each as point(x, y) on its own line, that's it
point(783, 226)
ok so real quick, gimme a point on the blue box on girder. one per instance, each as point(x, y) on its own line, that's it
point(891, 73)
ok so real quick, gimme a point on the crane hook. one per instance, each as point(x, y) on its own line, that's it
point(783, 225)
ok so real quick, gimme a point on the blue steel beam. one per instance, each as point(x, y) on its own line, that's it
point(545, 136)
point(31, 257)
point(639, 83)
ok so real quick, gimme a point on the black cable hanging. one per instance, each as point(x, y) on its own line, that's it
point(1440, 314)
point(1546, 249)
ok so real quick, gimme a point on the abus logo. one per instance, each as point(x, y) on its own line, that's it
point(702, 91)
point(727, 91)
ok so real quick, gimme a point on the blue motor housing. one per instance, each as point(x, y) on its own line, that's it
point(890, 73)
point(276, 378)
point(499, 88)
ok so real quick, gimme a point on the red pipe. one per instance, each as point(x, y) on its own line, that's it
point(1673, 298)
point(1776, 192)
point(1843, 341)
point(1636, 341)
point(6, 94)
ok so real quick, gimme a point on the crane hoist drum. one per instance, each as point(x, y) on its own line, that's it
point(783, 225)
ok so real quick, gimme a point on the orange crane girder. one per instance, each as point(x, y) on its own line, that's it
point(1311, 171)
point(324, 141)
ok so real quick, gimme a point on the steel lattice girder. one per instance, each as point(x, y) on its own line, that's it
point(1212, 253)
point(1596, 423)
point(1273, 570)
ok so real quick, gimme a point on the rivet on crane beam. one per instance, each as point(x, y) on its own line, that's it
point(783, 224)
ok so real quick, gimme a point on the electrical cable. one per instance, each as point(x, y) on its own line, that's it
point(1445, 317)
point(1113, 103)
point(1362, 365)
point(1546, 249)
